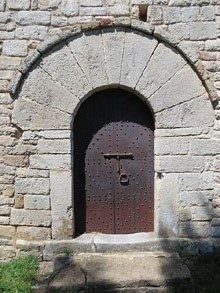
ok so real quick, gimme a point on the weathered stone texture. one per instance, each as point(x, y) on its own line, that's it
point(186, 78)
point(33, 17)
point(34, 32)
point(187, 115)
point(36, 202)
point(171, 146)
point(135, 58)
point(59, 146)
point(30, 217)
point(33, 233)
point(41, 88)
point(14, 48)
point(63, 68)
point(31, 115)
point(32, 185)
point(151, 81)
point(61, 213)
point(45, 161)
point(18, 5)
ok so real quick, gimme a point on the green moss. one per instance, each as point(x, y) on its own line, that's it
point(18, 275)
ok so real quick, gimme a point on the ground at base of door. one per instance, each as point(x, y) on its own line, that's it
point(118, 272)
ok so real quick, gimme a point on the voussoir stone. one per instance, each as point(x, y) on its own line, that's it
point(29, 114)
point(184, 78)
point(88, 51)
point(40, 87)
point(135, 57)
point(168, 62)
point(64, 69)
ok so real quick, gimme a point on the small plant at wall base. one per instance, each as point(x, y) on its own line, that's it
point(18, 275)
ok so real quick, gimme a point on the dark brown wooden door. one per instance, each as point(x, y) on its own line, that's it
point(114, 166)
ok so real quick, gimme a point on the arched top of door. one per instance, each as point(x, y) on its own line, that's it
point(88, 60)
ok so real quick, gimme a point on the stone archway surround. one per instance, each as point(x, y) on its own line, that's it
point(114, 57)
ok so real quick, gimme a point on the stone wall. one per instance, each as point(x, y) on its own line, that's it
point(35, 157)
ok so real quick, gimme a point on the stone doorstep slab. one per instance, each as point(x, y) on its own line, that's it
point(105, 271)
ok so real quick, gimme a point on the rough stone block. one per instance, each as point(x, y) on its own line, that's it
point(63, 67)
point(212, 45)
point(179, 132)
point(19, 201)
point(216, 202)
point(215, 222)
point(45, 161)
point(192, 182)
point(171, 146)
point(34, 32)
point(90, 4)
point(8, 191)
point(36, 202)
point(58, 146)
point(14, 48)
point(184, 78)
point(61, 213)
point(187, 115)
point(135, 58)
point(94, 11)
point(2, 5)
point(151, 81)
point(113, 44)
point(58, 20)
point(30, 217)
point(33, 233)
point(205, 147)
point(16, 160)
point(69, 7)
point(33, 17)
point(167, 192)
point(31, 115)
point(216, 231)
point(180, 3)
point(55, 134)
point(32, 185)
point(179, 30)
point(171, 15)
point(4, 220)
point(180, 164)
point(201, 213)
point(118, 10)
point(194, 229)
point(198, 198)
point(7, 232)
point(190, 14)
point(155, 14)
point(18, 5)
point(4, 210)
point(207, 13)
point(7, 252)
point(185, 214)
point(41, 88)
point(88, 51)
point(203, 30)
point(9, 63)
point(27, 172)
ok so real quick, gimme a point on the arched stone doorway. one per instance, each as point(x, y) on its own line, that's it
point(65, 76)
point(114, 165)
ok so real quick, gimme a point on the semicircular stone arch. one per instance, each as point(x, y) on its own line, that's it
point(65, 76)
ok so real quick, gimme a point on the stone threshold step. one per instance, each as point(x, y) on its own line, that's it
point(118, 272)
